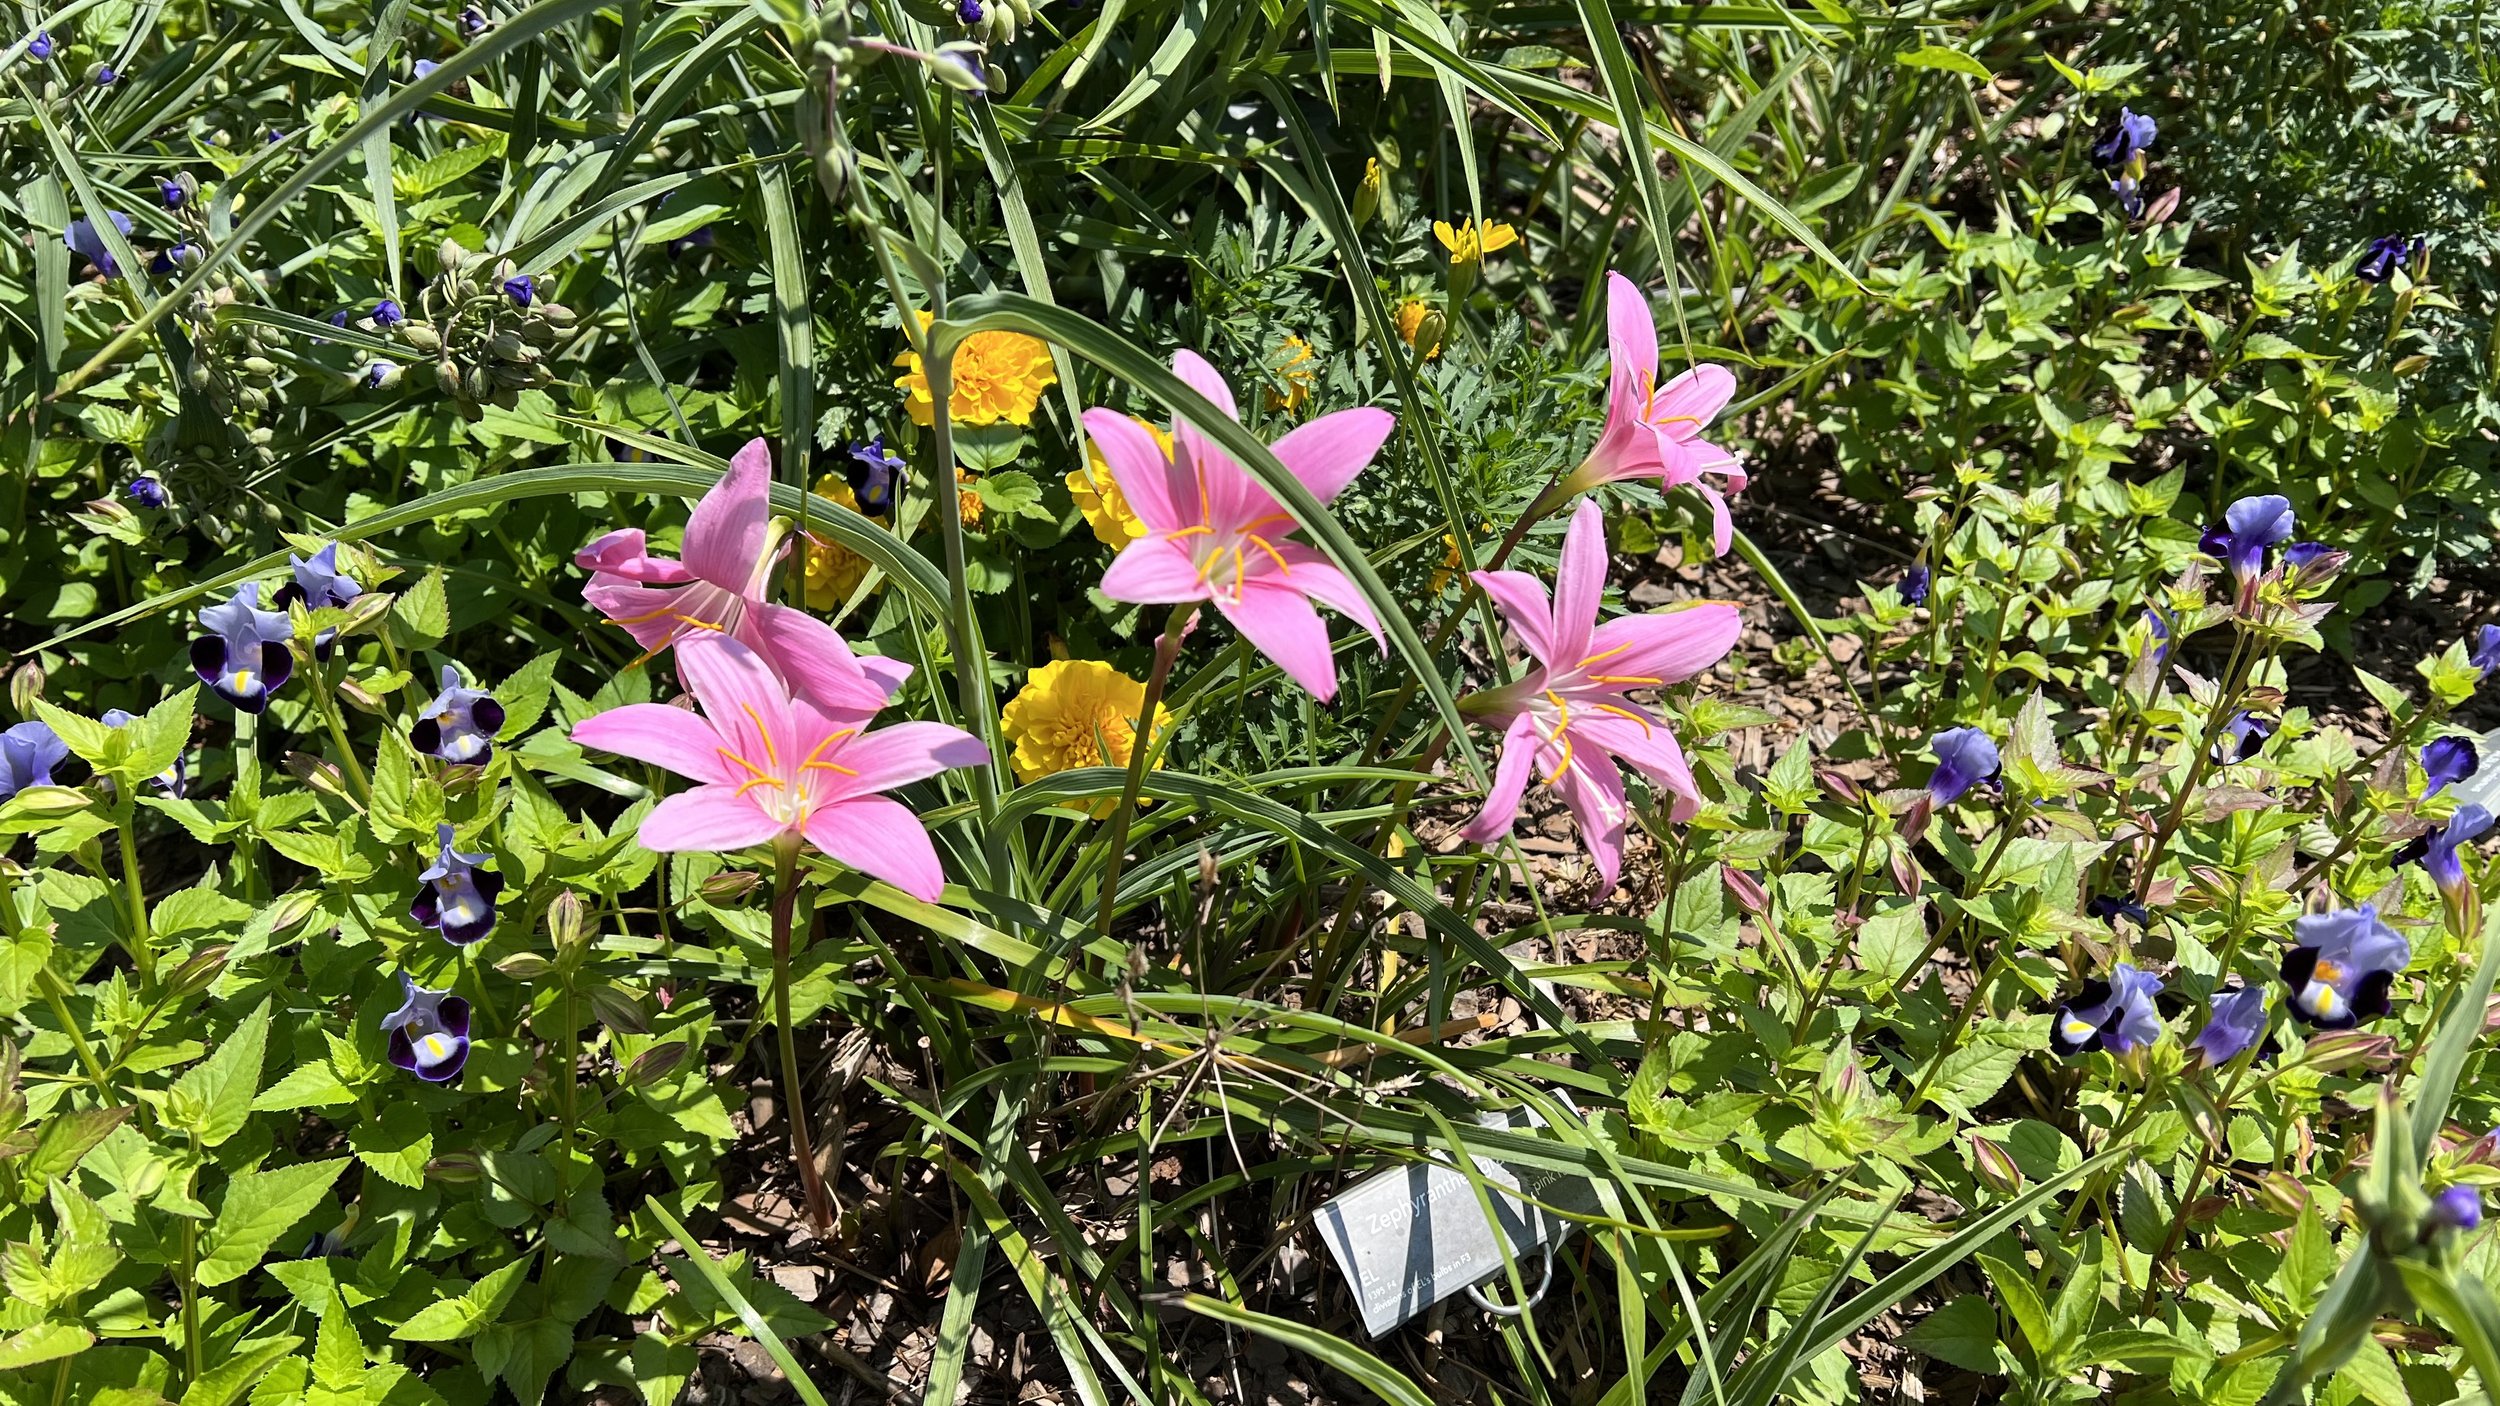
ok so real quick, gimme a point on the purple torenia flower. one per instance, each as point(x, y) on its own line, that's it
point(2486, 655)
point(429, 1032)
point(1914, 582)
point(2446, 761)
point(2106, 906)
point(702, 238)
point(2157, 633)
point(146, 492)
point(41, 45)
point(2457, 1208)
point(2116, 1015)
point(460, 724)
point(2249, 526)
point(172, 257)
point(2342, 970)
point(472, 21)
point(28, 752)
point(1964, 758)
point(521, 290)
point(174, 780)
point(2388, 252)
point(878, 474)
point(104, 76)
point(244, 656)
point(84, 241)
point(320, 585)
point(388, 313)
point(2436, 852)
point(2238, 1018)
point(2126, 137)
point(2242, 738)
point(458, 899)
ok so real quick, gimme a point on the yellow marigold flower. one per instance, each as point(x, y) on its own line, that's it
point(834, 571)
point(1294, 369)
point(1450, 563)
point(1411, 315)
point(1076, 713)
point(998, 376)
point(1469, 242)
point(1098, 494)
point(967, 499)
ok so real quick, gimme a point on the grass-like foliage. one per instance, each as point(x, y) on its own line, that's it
point(867, 692)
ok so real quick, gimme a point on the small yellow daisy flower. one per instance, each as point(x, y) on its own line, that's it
point(999, 376)
point(1450, 563)
point(1411, 315)
point(834, 571)
point(1294, 369)
point(1469, 242)
point(1098, 494)
point(1076, 713)
point(968, 503)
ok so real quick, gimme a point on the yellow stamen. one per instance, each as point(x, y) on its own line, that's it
point(761, 731)
point(1272, 554)
point(1187, 532)
point(704, 624)
point(1625, 713)
point(746, 786)
point(812, 764)
point(1609, 654)
point(668, 609)
point(1624, 680)
point(752, 769)
point(1564, 764)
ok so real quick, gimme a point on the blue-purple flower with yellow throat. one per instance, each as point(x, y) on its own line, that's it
point(2387, 253)
point(2116, 1015)
point(2486, 655)
point(28, 752)
point(2238, 1017)
point(1964, 758)
point(146, 492)
point(875, 474)
point(460, 724)
point(458, 898)
point(429, 1032)
point(2345, 965)
point(2125, 137)
point(1914, 583)
point(84, 241)
point(2447, 761)
point(2437, 853)
point(320, 585)
point(2248, 527)
point(244, 656)
point(175, 780)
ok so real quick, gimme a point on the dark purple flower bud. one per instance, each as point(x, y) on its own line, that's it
point(84, 241)
point(41, 45)
point(702, 238)
point(429, 1032)
point(146, 492)
point(1964, 758)
point(2242, 738)
point(458, 899)
point(380, 374)
point(103, 76)
point(175, 780)
point(2238, 1018)
point(472, 21)
point(244, 656)
point(2446, 761)
point(388, 313)
point(2486, 656)
point(339, 318)
point(172, 192)
point(2116, 1015)
point(2157, 628)
point(2107, 906)
point(2130, 193)
point(2313, 563)
point(969, 11)
point(521, 290)
point(276, 135)
point(2436, 852)
point(1913, 585)
point(2384, 256)
point(460, 724)
point(2248, 527)
point(2126, 137)
point(171, 258)
point(28, 752)
point(2345, 965)
point(874, 476)
point(2457, 1208)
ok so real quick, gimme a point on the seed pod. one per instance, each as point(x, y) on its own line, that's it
point(538, 334)
point(474, 385)
point(1995, 1166)
point(421, 335)
point(2281, 1193)
point(26, 685)
point(508, 346)
point(2334, 1050)
point(260, 366)
point(525, 966)
point(728, 886)
point(557, 315)
point(654, 1064)
point(568, 921)
point(456, 1168)
point(618, 1009)
point(449, 255)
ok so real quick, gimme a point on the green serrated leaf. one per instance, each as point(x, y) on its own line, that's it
point(213, 1098)
point(259, 1207)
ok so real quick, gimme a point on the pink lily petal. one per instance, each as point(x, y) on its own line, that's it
point(651, 614)
point(1154, 571)
point(885, 673)
point(882, 839)
point(1205, 380)
point(623, 554)
point(1670, 646)
point(1632, 341)
point(1722, 527)
point(1521, 599)
point(1328, 452)
point(1593, 789)
point(745, 700)
point(1281, 624)
point(814, 658)
point(1646, 744)
point(725, 535)
point(661, 735)
point(1693, 399)
point(1579, 584)
point(1313, 574)
point(707, 817)
point(1510, 783)
point(1163, 497)
point(899, 755)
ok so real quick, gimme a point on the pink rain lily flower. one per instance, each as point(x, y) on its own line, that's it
point(1214, 534)
point(773, 766)
point(1573, 717)
point(1654, 431)
point(731, 547)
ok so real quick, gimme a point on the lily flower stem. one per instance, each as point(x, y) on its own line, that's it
point(2235, 682)
point(793, 1092)
point(142, 945)
point(1167, 649)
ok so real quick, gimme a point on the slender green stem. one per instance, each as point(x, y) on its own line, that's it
point(246, 800)
point(56, 994)
point(326, 699)
point(793, 1092)
point(191, 1295)
point(2243, 664)
point(134, 891)
point(1167, 648)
